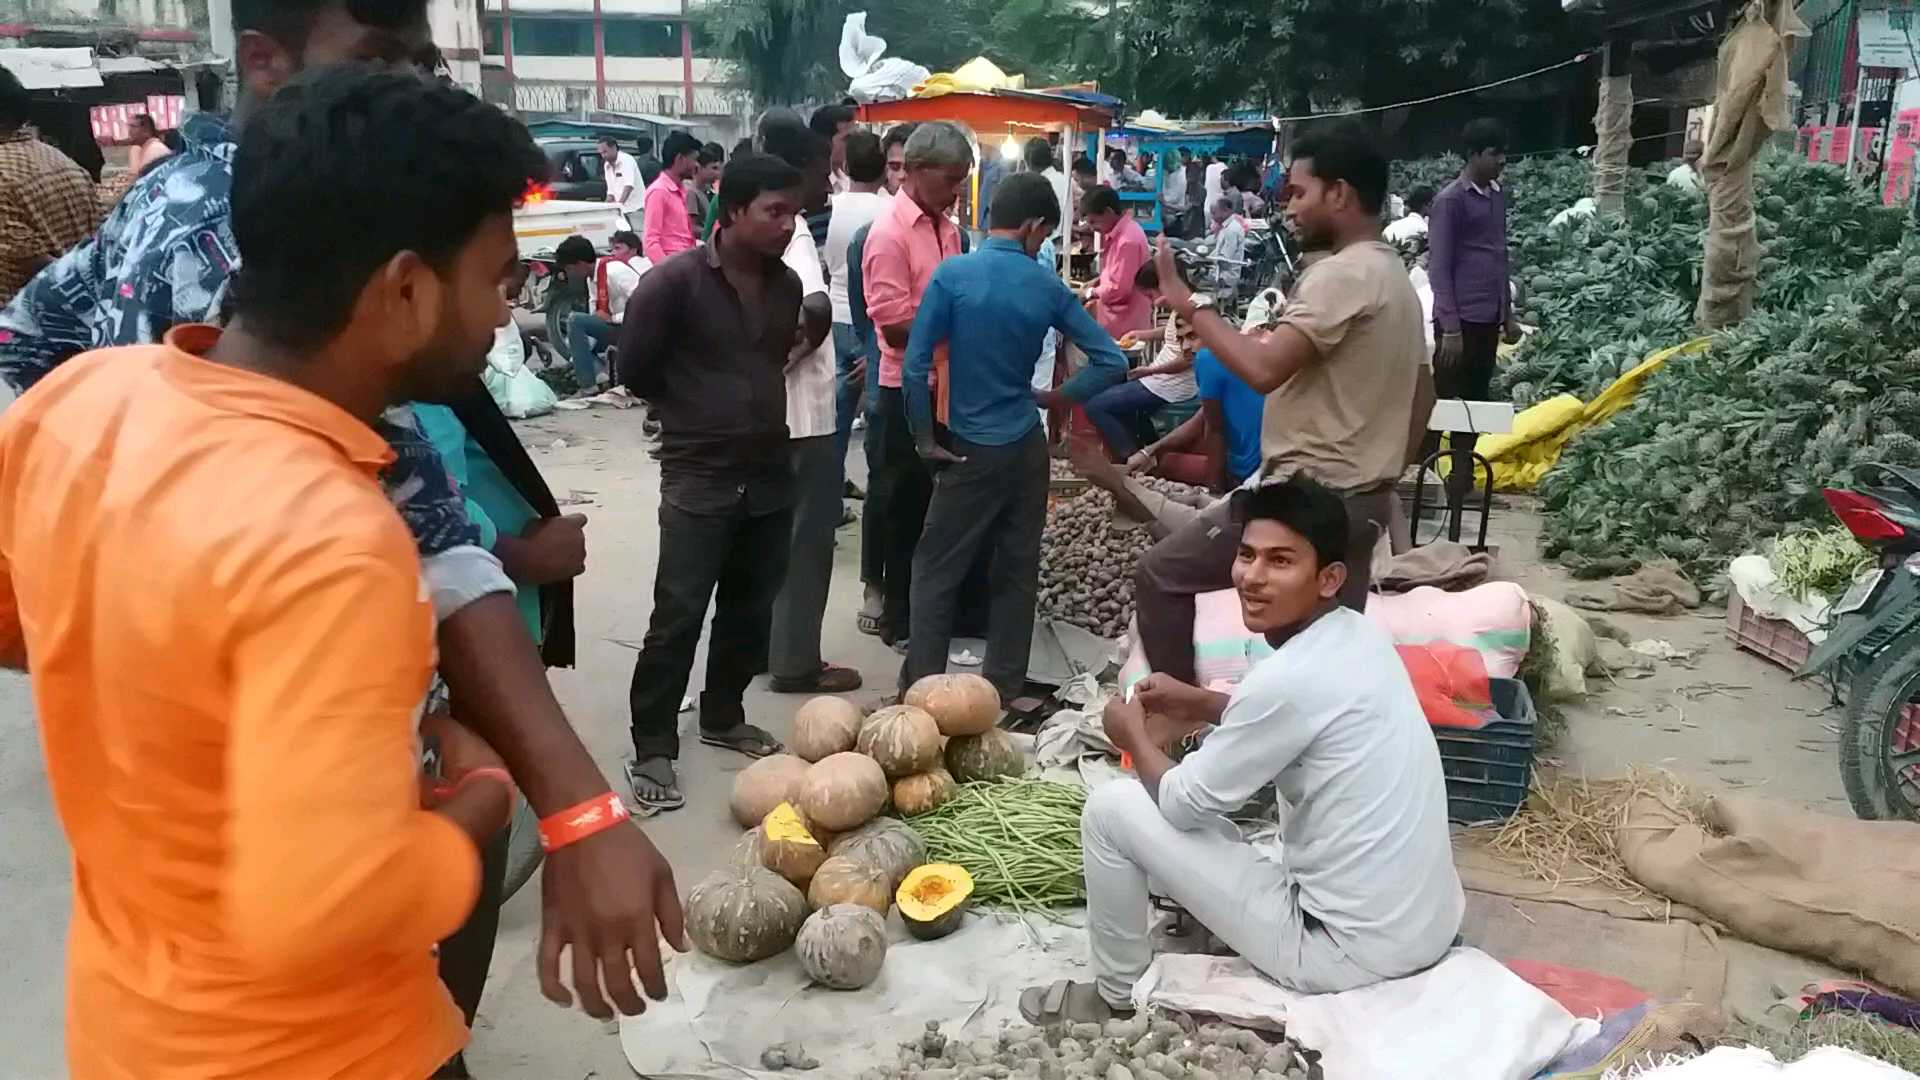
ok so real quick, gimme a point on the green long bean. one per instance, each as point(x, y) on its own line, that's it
point(1020, 841)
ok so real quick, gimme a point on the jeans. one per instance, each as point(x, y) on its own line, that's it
point(873, 515)
point(997, 500)
point(846, 401)
point(587, 336)
point(818, 474)
point(903, 488)
point(739, 560)
point(1198, 558)
point(1120, 413)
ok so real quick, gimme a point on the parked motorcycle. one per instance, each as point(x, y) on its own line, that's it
point(1872, 648)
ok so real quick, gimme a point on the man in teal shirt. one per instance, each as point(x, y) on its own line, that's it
point(992, 309)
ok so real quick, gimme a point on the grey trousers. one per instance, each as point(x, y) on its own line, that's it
point(1242, 896)
point(996, 499)
point(794, 649)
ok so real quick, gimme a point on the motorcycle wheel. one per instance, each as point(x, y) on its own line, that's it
point(524, 853)
point(1880, 735)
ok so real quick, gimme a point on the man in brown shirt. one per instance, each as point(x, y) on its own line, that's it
point(1348, 381)
point(47, 203)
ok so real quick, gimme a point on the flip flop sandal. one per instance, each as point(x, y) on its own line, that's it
point(867, 624)
point(652, 796)
point(743, 739)
point(1066, 1002)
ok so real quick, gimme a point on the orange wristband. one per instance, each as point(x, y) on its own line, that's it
point(575, 823)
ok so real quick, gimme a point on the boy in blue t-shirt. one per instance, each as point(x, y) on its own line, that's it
point(1219, 446)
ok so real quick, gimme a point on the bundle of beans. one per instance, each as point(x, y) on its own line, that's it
point(1086, 564)
point(1132, 1049)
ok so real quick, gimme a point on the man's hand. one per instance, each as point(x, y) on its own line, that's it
point(1172, 289)
point(609, 900)
point(554, 550)
point(1511, 332)
point(1177, 700)
point(801, 347)
point(1051, 399)
point(935, 455)
point(1126, 724)
point(461, 751)
point(857, 371)
point(1448, 355)
point(1137, 373)
point(1141, 461)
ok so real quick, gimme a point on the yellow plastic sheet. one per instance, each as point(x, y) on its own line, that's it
point(1523, 456)
point(977, 76)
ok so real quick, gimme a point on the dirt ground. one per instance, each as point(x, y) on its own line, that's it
point(1727, 721)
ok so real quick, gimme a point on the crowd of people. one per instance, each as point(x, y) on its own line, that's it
point(290, 585)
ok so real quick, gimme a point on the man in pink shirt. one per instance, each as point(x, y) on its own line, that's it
point(906, 241)
point(1121, 304)
point(668, 228)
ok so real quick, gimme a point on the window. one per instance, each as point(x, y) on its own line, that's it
point(580, 167)
point(641, 37)
point(553, 37)
point(492, 40)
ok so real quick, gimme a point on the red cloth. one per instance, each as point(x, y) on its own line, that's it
point(1582, 993)
point(1184, 469)
point(1451, 682)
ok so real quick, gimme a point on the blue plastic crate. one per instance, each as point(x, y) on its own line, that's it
point(1489, 769)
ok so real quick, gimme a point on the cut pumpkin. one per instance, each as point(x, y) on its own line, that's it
point(788, 847)
point(933, 899)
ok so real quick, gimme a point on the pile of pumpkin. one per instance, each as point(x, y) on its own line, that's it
point(821, 864)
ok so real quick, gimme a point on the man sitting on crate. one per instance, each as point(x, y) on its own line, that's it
point(1363, 887)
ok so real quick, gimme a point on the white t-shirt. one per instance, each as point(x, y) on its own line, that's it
point(1683, 177)
point(851, 210)
point(621, 279)
point(1230, 251)
point(1411, 227)
point(625, 171)
point(1354, 760)
point(810, 382)
point(1173, 190)
point(1216, 183)
point(1178, 386)
point(1062, 190)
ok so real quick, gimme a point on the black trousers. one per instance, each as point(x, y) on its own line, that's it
point(468, 953)
point(1198, 558)
point(904, 487)
point(1470, 378)
point(994, 502)
point(739, 560)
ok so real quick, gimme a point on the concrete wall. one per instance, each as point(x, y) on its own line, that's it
point(157, 14)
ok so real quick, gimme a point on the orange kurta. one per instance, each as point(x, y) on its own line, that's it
point(229, 642)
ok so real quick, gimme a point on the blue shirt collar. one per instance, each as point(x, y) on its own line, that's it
point(1002, 243)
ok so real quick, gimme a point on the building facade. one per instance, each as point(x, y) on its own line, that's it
point(572, 58)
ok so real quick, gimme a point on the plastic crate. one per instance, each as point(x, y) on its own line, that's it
point(1772, 639)
point(1488, 769)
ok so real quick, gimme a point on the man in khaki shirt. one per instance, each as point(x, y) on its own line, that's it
point(1348, 381)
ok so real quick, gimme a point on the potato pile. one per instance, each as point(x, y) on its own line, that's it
point(1087, 560)
point(1131, 1049)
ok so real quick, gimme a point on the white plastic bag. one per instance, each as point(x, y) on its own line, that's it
point(871, 74)
point(515, 388)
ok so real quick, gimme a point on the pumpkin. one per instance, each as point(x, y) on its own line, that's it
point(788, 847)
point(933, 899)
point(746, 851)
point(887, 843)
point(842, 946)
point(903, 739)
point(841, 791)
point(921, 792)
point(764, 785)
point(823, 726)
point(989, 755)
point(743, 914)
point(962, 704)
point(843, 880)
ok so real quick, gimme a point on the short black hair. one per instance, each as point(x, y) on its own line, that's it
point(827, 119)
point(785, 137)
point(624, 236)
point(678, 143)
point(1038, 154)
point(712, 154)
point(750, 175)
point(1021, 198)
point(1147, 278)
point(576, 249)
point(1419, 199)
point(1304, 505)
point(897, 135)
point(1346, 152)
point(742, 146)
point(343, 169)
point(1483, 134)
point(608, 140)
point(16, 105)
point(643, 145)
point(865, 163)
point(288, 21)
point(1099, 200)
point(1082, 166)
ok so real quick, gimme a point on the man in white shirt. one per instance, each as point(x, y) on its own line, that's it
point(623, 180)
point(852, 209)
point(794, 661)
point(1411, 227)
point(1229, 245)
point(1686, 175)
point(1173, 197)
point(1362, 886)
point(610, 282)
point(1216, 179)
point(1037, 154)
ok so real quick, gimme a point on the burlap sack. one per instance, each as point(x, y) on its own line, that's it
point(1837, 889)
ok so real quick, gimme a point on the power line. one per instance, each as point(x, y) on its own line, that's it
point(1582, 58)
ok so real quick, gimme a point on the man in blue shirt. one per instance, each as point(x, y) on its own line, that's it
point(992, 309)
point(1217, 447)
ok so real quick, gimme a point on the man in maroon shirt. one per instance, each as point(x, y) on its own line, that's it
point(1467, 264)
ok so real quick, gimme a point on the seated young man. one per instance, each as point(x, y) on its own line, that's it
point(1124, 414)
point(1217, 447)
point(610, 282)
point(1363, 888)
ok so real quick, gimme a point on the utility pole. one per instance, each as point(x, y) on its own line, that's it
point(599, 59)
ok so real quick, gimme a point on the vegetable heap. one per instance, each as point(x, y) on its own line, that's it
point(1820, 562)
point(1019, 840)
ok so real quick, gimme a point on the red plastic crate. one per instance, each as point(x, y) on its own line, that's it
point(1773, 639)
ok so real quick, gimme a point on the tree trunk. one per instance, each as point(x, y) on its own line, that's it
point(1613, 122)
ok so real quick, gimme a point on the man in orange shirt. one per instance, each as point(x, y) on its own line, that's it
point(225, 620)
